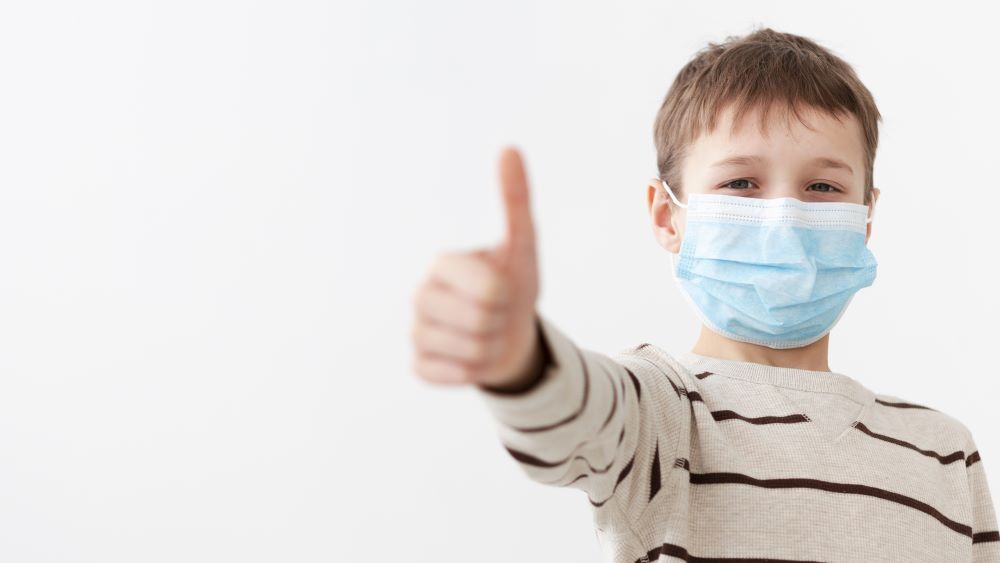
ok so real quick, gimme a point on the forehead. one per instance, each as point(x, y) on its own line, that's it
point(781, 133)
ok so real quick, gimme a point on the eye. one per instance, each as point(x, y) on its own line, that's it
point(741, 181)
point(824, 187)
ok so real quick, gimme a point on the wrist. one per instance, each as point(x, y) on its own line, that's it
point(535, 370)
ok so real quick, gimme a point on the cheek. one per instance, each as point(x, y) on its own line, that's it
point(680, 221)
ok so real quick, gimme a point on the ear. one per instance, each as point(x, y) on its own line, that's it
point(868, 231)
point(665, 217)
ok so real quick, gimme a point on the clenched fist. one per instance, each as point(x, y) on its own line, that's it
point(475, 312)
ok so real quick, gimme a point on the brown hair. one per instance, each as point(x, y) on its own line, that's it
point(757, 70)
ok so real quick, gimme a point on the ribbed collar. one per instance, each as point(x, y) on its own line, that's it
point(793, 378)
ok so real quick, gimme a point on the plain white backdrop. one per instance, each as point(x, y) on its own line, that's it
point(213, 214)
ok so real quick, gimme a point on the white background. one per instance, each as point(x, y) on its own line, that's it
point(213, 214)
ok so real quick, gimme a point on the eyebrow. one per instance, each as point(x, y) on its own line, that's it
point(821, 161)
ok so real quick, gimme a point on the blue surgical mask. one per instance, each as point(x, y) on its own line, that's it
point(774, 272)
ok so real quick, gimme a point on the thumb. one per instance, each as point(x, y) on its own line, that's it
point(518, 250)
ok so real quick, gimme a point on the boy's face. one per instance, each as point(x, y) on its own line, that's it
point(825, 163)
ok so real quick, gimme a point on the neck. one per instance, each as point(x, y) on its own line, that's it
point(811, 357)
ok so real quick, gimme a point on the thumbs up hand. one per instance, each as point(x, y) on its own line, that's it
point(475, 311)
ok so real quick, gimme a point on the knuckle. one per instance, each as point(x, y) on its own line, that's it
point(420, 296)
point(417, 293)
point(444, 261)
point(438, 262)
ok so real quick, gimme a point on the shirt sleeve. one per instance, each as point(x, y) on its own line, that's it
point(589, 421)
point(985, 535)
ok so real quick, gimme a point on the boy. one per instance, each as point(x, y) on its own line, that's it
point(748, 448)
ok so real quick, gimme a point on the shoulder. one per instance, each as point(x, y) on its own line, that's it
point(651, 361)
point(903, 406)
point(924, 419)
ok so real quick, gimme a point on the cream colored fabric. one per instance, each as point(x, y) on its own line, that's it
point(695, 458)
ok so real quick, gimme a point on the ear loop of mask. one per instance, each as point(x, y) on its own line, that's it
point(673, 266)
point(670, 192)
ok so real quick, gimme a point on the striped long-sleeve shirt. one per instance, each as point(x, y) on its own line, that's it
point(701, 459)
